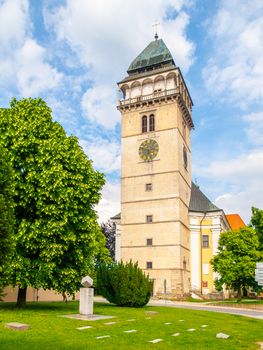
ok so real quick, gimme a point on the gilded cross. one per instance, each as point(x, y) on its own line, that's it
point(156, 24)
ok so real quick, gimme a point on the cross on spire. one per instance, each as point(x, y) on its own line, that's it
point(156, 24)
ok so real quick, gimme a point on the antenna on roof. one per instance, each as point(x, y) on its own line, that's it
point(196, 183)
point(156, 24)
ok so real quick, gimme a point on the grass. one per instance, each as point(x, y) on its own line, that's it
point(49, 331)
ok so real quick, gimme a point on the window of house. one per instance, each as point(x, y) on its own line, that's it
point(149, 265)
point(149, 218)
point(148, 187)
point(144, 123)
point(205, 241)
point(205, 284)
point(151, 123)
point(149, 241)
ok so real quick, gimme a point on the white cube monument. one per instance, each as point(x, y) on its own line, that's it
point(86, 296)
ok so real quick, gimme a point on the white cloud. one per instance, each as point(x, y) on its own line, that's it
point(23, 64)
point(93, 28)
point(107, 36)
point(13, 23)
point(109, 204)
point(235, 68)
point(104, 154)
point(34, 74)
point(98, 105)
point(106, 158)
point(244, 174)
point(239, 203)
point(254, 128)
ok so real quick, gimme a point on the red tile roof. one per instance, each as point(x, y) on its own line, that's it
point(235, 221)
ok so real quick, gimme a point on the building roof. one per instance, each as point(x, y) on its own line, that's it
point(155, 54)
point(235, 221)
point(199, 202)
point(116, 217)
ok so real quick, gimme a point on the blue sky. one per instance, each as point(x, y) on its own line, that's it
point(72, 52)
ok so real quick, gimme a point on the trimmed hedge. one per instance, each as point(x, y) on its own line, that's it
point(124, 284)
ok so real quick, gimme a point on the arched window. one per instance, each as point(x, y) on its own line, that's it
point(151, 123)
point(144, 123)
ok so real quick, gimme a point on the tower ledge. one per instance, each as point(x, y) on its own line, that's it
point(158, 97)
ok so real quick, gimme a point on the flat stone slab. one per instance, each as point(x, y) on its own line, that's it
point(204, 325)
point(85, 327)
point(131, 320)
point(130, 331)
point(181, 320)
point(109, 323)
point(17, 326)
point(155, 341)
point(175, 334)
point(222, 336)
point(87, 317)
point(191, 329)
point(167, 323)
point(103, 337)
point(151, 312)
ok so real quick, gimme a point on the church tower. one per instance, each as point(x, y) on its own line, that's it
point(156, 169)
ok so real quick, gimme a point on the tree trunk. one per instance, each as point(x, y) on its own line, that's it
point(239, 294)
point(21, 297)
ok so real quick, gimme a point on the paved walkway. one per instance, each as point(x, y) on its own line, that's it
point(206, 307)
point(200, 306)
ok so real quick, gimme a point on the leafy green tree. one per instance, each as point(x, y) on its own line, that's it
point(124, 284)
point(57, 236)
point(6, 214)
point(236, 259)
point(257, 222)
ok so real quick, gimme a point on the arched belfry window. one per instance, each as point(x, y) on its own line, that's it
point(151, 123)
point(144, 123)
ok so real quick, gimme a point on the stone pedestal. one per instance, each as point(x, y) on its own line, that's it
point(86, 301)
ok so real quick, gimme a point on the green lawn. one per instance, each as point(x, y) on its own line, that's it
point(49, 331)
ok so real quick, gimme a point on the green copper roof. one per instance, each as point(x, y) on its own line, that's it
point(155, 53)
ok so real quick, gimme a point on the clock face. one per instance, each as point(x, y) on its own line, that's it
point(148, 150)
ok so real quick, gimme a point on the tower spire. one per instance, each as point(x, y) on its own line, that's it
point(156, 24)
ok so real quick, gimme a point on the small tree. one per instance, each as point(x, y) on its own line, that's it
point(109, 231)
point(6, 214)
point(257, 222)
point(124, 284)
point(236, 259)
point(57, 237)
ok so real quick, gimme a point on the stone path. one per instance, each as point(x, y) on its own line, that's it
point(200, 306)
point(207, 307)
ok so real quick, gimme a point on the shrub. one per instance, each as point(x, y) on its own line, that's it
point(124, 284)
